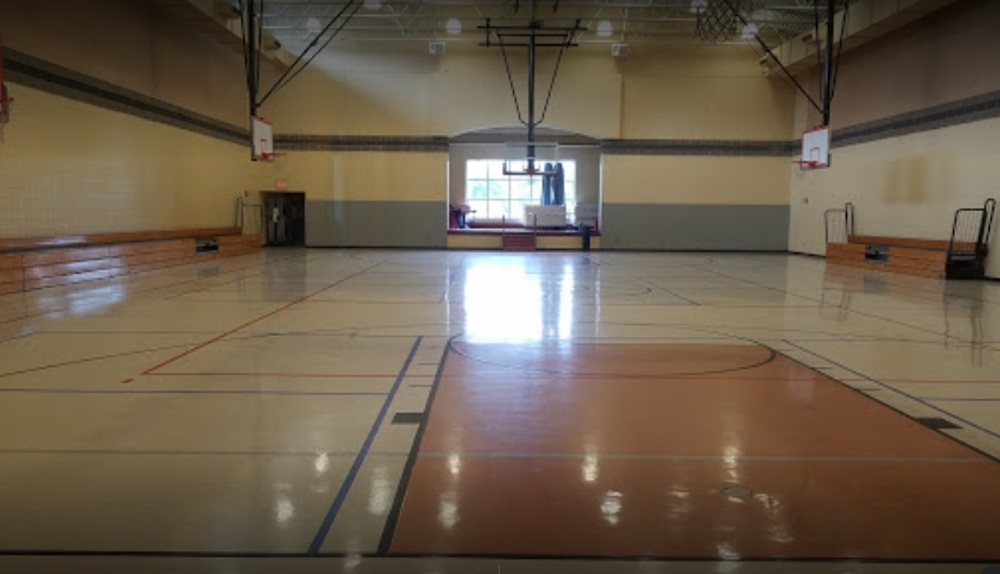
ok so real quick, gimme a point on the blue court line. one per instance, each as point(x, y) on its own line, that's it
point(895, 390)
point(188, 392)
point(338, 502)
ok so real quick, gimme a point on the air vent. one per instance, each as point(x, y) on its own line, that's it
point(619, 50)
point(437, 48)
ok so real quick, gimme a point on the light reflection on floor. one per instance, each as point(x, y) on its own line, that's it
point(230, 416)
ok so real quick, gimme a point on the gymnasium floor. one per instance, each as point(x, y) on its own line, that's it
point(455, 412)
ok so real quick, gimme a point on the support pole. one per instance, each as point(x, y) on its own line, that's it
point(252, 57)
point(828, 63)
point(251, 60)
point(531, 100)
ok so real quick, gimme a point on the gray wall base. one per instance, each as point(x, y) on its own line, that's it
point(695, 227)
point(376, 223)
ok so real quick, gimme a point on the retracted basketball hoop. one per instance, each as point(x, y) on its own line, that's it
point(531, 159)
point(263, 140)
point(815, 148)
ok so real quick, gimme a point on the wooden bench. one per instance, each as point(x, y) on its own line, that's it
point(910, 256)
point(37, 263)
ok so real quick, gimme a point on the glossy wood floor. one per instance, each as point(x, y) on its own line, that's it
point(398, 411)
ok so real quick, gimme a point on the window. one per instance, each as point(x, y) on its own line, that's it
point(493, 195)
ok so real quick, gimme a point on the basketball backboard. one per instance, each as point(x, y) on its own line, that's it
point(815, 148)
point(263, 139)
point(531, 158)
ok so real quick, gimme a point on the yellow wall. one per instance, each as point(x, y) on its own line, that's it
point(402, 90)
point(664, 93)
point(947, 56)
point(70, 167)
point(366, 176)
point(908, 185)
point(668, 93)
point(702, 93)
point(695, 180)
point(137, 45)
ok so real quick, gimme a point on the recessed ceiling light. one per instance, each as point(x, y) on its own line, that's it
point(313, 26)
point(749, 31)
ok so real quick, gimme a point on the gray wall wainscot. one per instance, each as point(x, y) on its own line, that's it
point(695, 227)
point(376, 224)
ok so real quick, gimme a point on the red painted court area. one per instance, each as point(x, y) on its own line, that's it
point(682, 451)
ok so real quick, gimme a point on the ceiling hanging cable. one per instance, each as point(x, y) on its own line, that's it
point(284, 78)
point(317, 52)
point(840, 47)
point(260, 41)
point(819, 49)
point(774, 58)
point(243, 40)
point(510, 78)
point(552, 82)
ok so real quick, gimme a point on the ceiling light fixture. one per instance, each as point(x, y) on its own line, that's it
point(453, 26)
point(604, 28)
point(372, 4)
point(749, 31)
point(313, 26)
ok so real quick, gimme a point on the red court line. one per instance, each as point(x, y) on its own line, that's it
point(138, 277)
point(258, 319)
point(285, 375)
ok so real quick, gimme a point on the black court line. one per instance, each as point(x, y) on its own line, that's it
point(280, 309)
point(868, 314)
point(208, 554)
point(687, 300)
point(92, 359)
point(392, 519)
point(17, 337)
point(338, 501)
point(771, 356)
point(407, 418)
point(937, 423)
point(905, 394)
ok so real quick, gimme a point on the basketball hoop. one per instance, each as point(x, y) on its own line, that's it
point(262, 138)
point(269, 157)
point(806, 163)
point(531, 159)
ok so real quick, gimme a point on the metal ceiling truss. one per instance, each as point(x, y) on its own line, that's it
point(635, 21)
